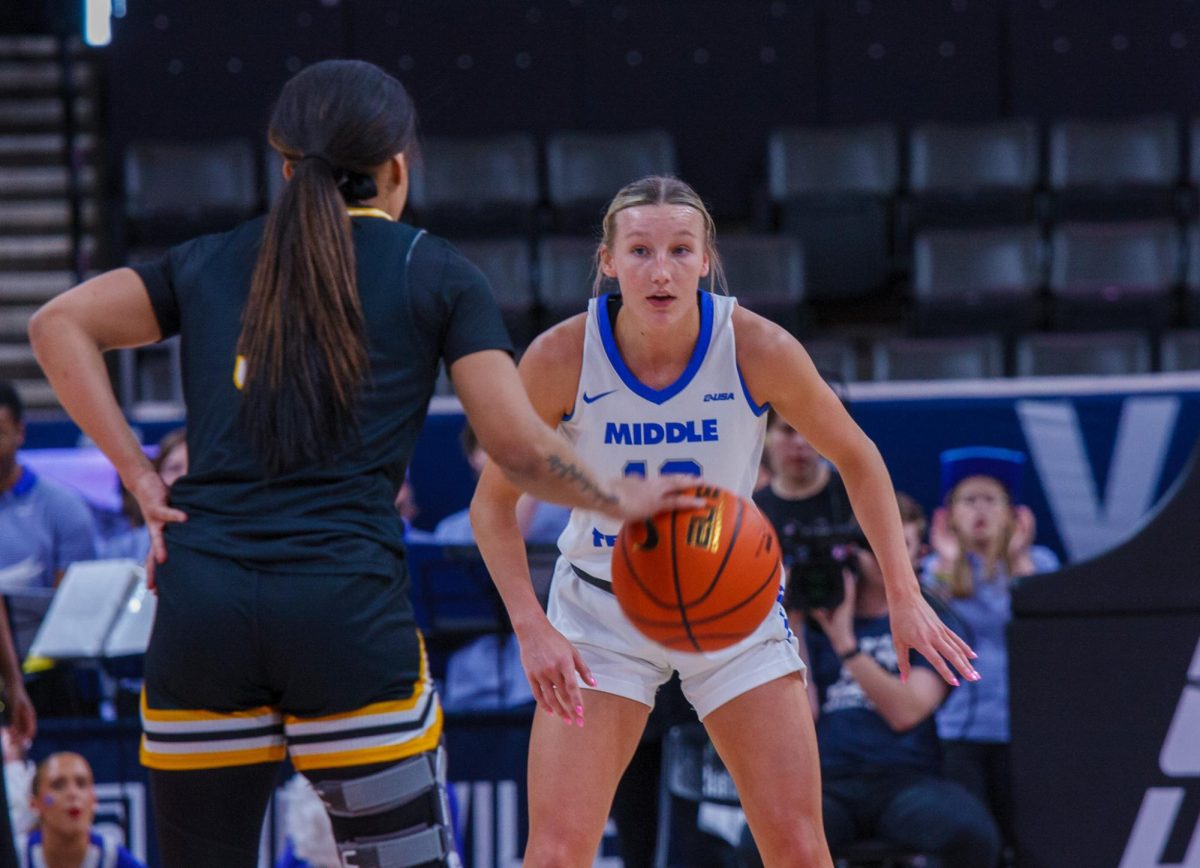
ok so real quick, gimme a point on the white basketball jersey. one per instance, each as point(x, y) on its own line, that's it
point(705, 423)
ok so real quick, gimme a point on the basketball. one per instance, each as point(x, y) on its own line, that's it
point(698, 579)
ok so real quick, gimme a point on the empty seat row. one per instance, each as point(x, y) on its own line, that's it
point(486, 185)
point(1097, 275)
point(990, 356)
point(556, 277)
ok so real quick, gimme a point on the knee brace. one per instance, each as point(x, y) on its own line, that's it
point(396, 818)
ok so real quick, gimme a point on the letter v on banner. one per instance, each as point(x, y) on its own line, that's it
point(1179, 758)
point(1086, 524)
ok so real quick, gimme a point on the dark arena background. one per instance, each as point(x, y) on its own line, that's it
point(981, 217)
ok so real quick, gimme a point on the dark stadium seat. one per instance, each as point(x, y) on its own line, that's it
point(1191, 278)
point(508, 265)
point(484, 185)
point(977, 280)
point(833, 187)
point(1180, 351)
point(1094, 354)
point(566, 267)
point(1113, 275)
point(766, 273)
point(982, 174)
point(835, 358)
point(584, 170)
point(971, 358)
point(692, 774)
point(175, 190)
point(1114, 170)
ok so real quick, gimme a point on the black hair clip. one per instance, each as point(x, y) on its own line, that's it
point(355, 186)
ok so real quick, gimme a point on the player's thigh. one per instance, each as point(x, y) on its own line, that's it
point(574, 771)
point(783, 749)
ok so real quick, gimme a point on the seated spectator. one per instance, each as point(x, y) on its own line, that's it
point(63, 796)
point(912, 519)
point(44, 527)
point(309, 841)
point(982, 540)
point(880, 758)
point(540, 522)
point(171, 462)
point(804, 489)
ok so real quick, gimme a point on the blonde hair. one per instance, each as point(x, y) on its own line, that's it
point(660, 190)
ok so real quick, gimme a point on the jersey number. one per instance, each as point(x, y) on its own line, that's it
point(684, 466)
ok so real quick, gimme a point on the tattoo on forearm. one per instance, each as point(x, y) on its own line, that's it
point(569, 471)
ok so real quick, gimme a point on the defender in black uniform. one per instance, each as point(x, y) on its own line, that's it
point(310, 346)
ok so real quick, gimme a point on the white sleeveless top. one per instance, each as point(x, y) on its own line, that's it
point(705, 423)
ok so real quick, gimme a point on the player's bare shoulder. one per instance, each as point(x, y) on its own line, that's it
point(758, 340)
point(551, 366)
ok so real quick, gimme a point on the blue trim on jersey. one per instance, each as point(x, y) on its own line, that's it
point(758, 409)
point(25, 483)
point(656, 396)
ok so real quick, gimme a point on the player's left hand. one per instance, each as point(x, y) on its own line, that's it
point(915, 627)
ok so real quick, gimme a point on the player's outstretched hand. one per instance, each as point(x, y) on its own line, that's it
point(638, 497)
point(151, 494)
point(915, 627)
point(551, 664)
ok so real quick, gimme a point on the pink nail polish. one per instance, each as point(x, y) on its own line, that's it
point(579, 711)
point(903, 677)
point(954, 681)
point(591, 681)
point(579, 722)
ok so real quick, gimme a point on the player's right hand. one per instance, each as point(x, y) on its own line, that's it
point(639, 497)
point(554, 667)
point(151, 494)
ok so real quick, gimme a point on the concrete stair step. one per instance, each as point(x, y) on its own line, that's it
point(20, 247)
point(33, 287)
point(40, 76)
point(24, 46)
point(36, 393)
point(43, 113)
point(18, 362)
point(46, 147)
point(14, 321)
point(25, 181)
point(38, 215)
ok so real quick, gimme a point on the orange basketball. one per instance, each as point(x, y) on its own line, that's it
point(698, 579)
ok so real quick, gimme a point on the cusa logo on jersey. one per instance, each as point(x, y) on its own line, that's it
point(650, 433)
point(718, 396)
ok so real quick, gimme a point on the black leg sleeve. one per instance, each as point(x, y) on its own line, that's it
point(211, 818)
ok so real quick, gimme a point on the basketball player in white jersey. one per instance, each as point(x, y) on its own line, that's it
point(666, 378)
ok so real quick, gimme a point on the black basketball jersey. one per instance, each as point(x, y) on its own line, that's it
point(422, 302)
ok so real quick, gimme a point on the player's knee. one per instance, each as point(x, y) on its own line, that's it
point(559, 847)
point(395, 817)
point(793, 840)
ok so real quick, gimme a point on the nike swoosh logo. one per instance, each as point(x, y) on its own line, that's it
point(590, 399)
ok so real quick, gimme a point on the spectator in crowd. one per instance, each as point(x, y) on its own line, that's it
point(804, 488)
point(44, 527)
point(880, 760)
point(804, 493)
point(982, 539)
point(540, 522)
point(171, 462)
point(63, 796)
point(915, 525)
